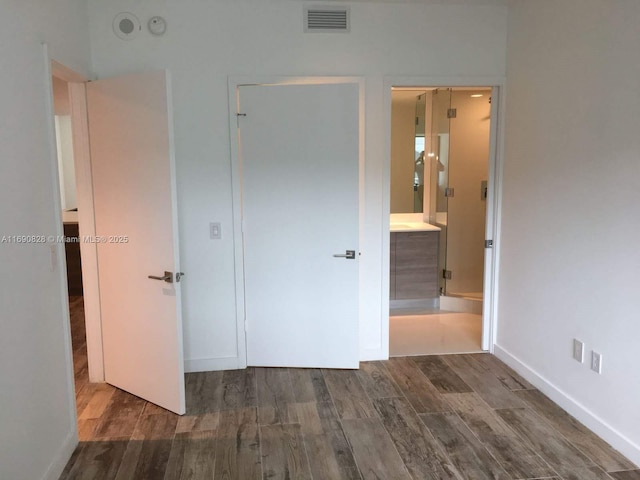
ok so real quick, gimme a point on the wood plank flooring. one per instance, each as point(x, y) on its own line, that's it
point(439, 417)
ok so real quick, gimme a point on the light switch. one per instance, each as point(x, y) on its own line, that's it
point(215, 230)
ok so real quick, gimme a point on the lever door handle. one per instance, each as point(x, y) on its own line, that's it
point(167, 277)
point(349, 255)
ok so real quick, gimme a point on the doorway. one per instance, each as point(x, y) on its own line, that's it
point(74, 189)
point(133, 315)
point(441, 165)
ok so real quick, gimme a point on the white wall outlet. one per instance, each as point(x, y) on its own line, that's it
point(215, 231)
point(596, 362)
point(578, 350)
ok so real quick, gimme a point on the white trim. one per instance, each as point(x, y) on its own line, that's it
point(373, 354)
point(492, 227)
point(176, 239)
point(233, 84)
point(494, 200)
point(212, 364)
point(592, 421)
point(56, 467)
point(236, 207)
point(497, 176)
point(71, 440)
point(86, 220)
point(87, 227)
point(63, 72)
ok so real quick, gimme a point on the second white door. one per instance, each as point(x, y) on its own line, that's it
point(299, 154)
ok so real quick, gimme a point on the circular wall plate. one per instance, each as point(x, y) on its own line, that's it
point(157, 25)
point(126, 25)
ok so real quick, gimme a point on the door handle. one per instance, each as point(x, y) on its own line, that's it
point(349, 254)
point(167, 277)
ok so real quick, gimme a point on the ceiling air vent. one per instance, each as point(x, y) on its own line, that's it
point(326, 19)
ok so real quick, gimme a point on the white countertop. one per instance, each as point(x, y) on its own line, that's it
point(69, 217)
point(413, 227)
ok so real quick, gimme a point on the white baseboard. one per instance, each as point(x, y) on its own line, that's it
point(600, 427)
point(211, 364)
point(371, 354)
point(234, 363)
point(461, 304)
point(62, 457)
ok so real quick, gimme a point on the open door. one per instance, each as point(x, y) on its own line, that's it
point(136, 234)
point(299, 149)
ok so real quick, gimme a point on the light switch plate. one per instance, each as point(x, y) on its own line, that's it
point(596, 362)
point(578, 350)
point(215, 231)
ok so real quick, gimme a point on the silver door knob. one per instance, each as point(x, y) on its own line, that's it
point(167, 277)
point(349, 255)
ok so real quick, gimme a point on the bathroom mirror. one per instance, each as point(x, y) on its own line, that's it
point(409, 122)
point(419, 153)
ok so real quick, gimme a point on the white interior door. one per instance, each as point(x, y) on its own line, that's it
point(299, 149)
point(136, 230)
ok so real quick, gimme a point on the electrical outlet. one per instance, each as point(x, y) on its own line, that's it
point(596, 362)
point(578, 350)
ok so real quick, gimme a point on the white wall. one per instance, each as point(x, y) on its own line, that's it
point(37, 416)
point(206, 41)
point(570, 262)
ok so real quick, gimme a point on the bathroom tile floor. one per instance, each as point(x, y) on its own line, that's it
point(424, 417)
point(436, 333)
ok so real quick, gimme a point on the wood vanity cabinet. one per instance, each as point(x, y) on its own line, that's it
point(74, 268)
point(414, 265)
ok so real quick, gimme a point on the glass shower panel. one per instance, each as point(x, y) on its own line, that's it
point(466, 187)
point(439, 161)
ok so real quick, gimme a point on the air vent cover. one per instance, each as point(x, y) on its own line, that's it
point(326, 20)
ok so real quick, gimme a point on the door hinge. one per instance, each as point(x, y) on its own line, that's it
point(417, 121)
point(488, 244)
point(446, 274)
point(448, 192)
point(452, 113)
point(238, 115)
point(483, 190)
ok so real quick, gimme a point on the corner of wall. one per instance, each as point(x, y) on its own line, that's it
point(62, 456)
point(601, 428)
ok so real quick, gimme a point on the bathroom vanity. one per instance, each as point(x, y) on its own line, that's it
point(413, 275)
point(72, 251)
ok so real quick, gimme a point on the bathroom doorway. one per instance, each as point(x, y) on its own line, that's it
point(439, 191)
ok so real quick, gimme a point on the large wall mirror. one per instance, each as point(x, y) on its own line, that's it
point(410, 144)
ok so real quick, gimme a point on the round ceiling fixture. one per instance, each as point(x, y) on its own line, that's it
point(157, 25)
point(126, 26)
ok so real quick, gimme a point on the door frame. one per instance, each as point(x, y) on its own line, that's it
point(234, 82)
point(86, 220)
point(494, 194)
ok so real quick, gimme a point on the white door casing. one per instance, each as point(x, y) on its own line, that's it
point(299, 153)
point(136, 233)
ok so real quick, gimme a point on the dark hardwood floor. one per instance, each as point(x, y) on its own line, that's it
point(440, 417)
